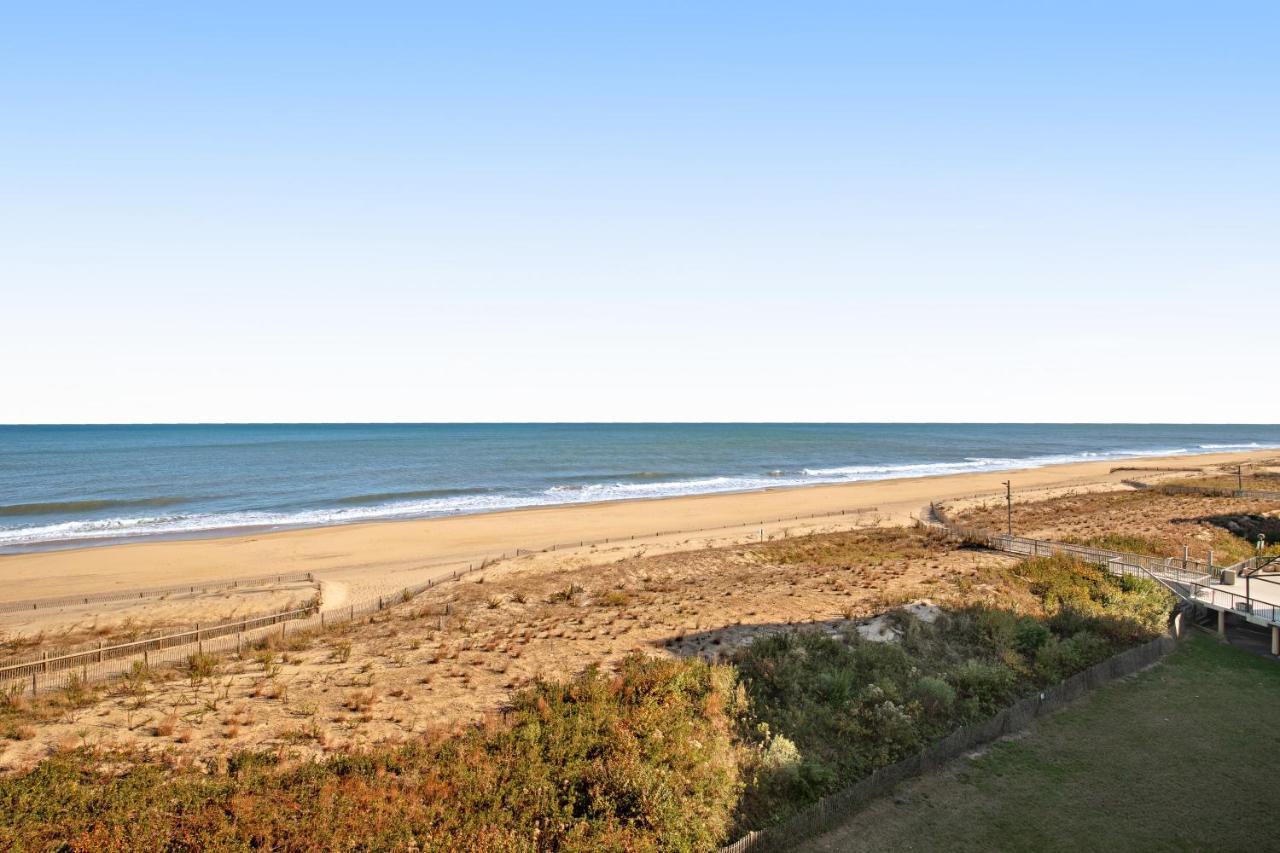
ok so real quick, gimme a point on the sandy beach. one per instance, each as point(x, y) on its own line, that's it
point(387, 555)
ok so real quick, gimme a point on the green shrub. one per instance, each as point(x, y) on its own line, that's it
point(935, 695)
point(989, 685)
point(998, 629)
point(641, 761)
point(1031, 635)
point(1060, 659)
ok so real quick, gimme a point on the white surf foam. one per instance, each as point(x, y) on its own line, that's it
point(195, 524)
point(1252, 445)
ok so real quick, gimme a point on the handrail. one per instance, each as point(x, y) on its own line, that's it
point(1199, 584)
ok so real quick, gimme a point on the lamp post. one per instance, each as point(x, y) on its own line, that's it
point(1008, 499)
point(1248, 576)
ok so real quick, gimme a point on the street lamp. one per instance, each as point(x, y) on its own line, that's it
point(1008, 499)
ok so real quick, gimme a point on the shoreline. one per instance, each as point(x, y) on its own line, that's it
point(386, 514)
point(401, 546)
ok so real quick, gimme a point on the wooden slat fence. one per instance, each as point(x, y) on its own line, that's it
point(1209, 491)
point(158, 592)
point(55, 672)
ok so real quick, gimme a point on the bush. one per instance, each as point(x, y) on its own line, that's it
point(1060, 659)
point(987, 685)
point(1031, 635)
point(641, 761)
point(935, 695)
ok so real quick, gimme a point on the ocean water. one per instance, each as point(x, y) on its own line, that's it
point(76, 485)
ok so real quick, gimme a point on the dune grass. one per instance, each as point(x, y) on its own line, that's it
point(665, 754)
point(641, 761)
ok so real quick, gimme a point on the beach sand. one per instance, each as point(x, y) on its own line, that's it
point(367, 559)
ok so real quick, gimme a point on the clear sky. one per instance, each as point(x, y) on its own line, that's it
point(651, 211)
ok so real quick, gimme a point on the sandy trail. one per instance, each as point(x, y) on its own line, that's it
point(385, 556)
point(333, 594)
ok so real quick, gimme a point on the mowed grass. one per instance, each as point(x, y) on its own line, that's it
point(1180, 757)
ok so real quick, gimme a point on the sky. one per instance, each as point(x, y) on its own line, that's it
point(897, 211)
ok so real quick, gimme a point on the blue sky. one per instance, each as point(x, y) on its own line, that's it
point(658, 211)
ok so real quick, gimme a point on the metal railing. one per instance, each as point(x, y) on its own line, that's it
point(1195, 577)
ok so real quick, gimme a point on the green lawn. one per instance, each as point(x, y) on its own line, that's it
point(1184, 756)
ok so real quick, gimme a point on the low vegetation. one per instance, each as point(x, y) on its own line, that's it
point(1262, 481)
point(1145, 521)
point(664, 754)
point(641, 761)
point(830, 710)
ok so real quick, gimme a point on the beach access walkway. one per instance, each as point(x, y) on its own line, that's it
point(1248, 590)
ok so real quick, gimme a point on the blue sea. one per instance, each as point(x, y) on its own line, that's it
point(76, 485)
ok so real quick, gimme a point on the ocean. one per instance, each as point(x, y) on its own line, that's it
point(65, 486)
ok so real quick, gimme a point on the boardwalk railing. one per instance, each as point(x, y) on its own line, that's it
point(1189, 579)
point(1189, 568)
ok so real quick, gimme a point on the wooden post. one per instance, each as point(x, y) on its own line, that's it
point(1222, 623)
point(1275, 640)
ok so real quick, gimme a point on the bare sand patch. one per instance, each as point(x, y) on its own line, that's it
point(413, 668)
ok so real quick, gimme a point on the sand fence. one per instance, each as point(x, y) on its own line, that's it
point(57, 672)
